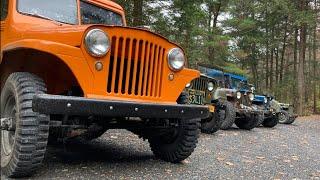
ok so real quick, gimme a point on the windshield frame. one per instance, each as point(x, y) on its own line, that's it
point(104, 6)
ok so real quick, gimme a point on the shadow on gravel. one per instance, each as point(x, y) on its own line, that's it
point(79, 152)
point(235, 129)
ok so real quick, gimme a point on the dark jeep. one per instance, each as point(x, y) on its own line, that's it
point(200, 92)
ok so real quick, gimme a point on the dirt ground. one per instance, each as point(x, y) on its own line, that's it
point(283, 152)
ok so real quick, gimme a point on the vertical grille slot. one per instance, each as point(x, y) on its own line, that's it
point(135, 67)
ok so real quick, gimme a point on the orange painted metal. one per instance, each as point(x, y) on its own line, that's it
point(135, 68)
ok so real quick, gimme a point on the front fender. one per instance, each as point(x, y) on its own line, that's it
point(71, 56)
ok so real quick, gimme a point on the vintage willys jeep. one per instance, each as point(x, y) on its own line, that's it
point(239, 107)
point(200, 92)
point(74, 66)
point(271, 109)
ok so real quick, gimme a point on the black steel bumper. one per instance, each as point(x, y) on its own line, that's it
point(247, 111)
point(66, 105)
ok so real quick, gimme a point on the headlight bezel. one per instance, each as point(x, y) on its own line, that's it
point(251, 96)
point(210, 86)
point(171, 61)
point(89, 45)
point(238, 95)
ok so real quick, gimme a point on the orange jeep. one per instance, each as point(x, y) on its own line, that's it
point(72, 69)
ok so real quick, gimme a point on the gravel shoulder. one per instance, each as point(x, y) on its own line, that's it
point(284, 152)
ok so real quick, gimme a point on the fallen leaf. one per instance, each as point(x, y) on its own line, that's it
point(248, 161)
point(168, 171)
point(295, 158)
point(287, 161)
point(186, 162)
point(220, 158)
point(229, 164)
point(113, 137)
point(260, 157)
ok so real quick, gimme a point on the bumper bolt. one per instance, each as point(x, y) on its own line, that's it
point(69, 105)
point(166, 110)
point(182, 111)
point(136, 109)
point(111, 108)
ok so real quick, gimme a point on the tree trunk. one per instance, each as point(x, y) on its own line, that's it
point(214, 10)
point(138, 13)
point(315, 71)
point(267, 52)
point(283, 49)
point(302, 56)
point(295, 68)
point(277, 65)
point(314, 49)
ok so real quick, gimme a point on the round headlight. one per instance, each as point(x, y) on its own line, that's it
point(210, 86)
point(238, 95)
point(251, 97)
point(176, 59)
point(188, 85)
point(265, 100)
point(97, 43)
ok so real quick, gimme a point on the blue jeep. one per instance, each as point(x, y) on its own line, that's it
point(271, 108)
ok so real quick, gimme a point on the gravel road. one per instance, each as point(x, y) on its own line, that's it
point(285, 152)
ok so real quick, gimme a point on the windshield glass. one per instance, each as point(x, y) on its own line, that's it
point(64, 11)
point(92, 14)
point(239, 84)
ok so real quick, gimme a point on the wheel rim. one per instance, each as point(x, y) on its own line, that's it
point(169, 135)
point(282, 118)
point(8, 137)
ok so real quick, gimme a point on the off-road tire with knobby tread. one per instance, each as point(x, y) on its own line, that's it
point(288, 119)
point(32, 129)
point(183, 98)
point(261, 119)
point(248, 123)
point(181, 147)
point(213, 123)
point(271, 122)
point(230, 115)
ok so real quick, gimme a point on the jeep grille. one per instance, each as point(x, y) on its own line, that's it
point(135, 68)
point(200, 84)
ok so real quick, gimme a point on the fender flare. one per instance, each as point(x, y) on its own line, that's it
point(69, 55)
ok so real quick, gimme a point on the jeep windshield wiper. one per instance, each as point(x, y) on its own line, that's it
point(47, 18)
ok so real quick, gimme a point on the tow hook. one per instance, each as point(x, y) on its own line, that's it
point(7, 124)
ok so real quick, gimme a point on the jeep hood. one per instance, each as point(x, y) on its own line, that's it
point(73, 35)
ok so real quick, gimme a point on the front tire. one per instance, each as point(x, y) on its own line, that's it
point(230, 115)
point(270, 122)
point(213, 123)
point(178, 145)
point(249, 122)
point(284, 117)
point(23, 148)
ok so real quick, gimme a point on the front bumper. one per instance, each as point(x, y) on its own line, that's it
point(67, 105)
point(246, 110)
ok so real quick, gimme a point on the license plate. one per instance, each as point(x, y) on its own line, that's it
point(196, 97)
